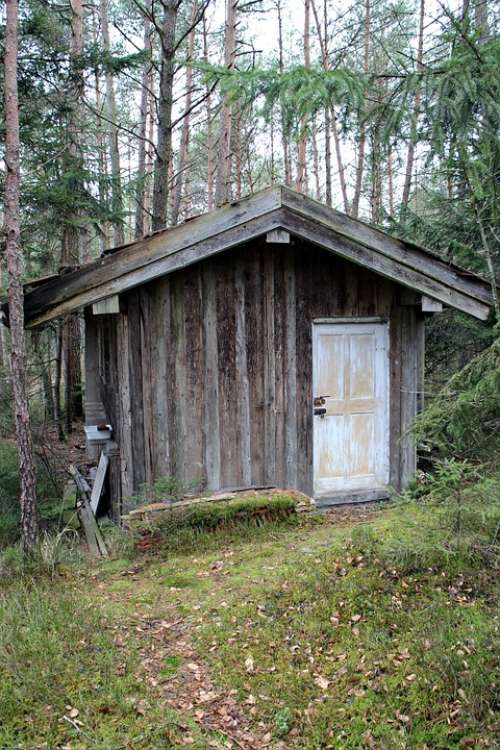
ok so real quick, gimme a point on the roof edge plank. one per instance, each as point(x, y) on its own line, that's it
point(399, 250)
point(235, 223)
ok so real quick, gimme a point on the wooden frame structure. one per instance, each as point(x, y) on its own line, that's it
point(199, 338)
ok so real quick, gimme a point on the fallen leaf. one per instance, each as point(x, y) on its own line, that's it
point(322, 682)
point(249, 664)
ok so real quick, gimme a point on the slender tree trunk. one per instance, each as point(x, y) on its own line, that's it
point(301, 181)
point(362, 130)
point(149, 157)
point(116, 180)
point(3, 349)
point(164, 142)
point(390, 181)
point(210, 133)
point(376, 177)
point(44, 365)
point(71, 235)
point(314, 141)
point(410, 156)
point(182, 163)
point(224, 169)
point(481, 19)
point(29, 523)
point(287, 164)
point(140, 215)
point(236, 150)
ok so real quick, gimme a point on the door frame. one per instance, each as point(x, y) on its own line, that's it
point(379, 491)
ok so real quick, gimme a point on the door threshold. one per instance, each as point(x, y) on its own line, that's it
point(328, 499)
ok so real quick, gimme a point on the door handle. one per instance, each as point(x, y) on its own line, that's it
point(319, 412)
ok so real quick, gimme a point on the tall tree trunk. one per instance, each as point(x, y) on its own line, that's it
point(210, 132)
point(390, 181)
point(315, 160)
point(164, 142)
point(362, 130)
point(376, 176)
point(301, 181)
point(71, 235)
point(224, 169)
point(182, 163)
point(410, 155)
point(29, 524)
point(116, 180)
point(287, 164)
point(44, 365)
point(481, 19)
point(140, 215)
point(3, 348)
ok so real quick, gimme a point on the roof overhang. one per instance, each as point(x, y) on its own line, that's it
point(277, 207)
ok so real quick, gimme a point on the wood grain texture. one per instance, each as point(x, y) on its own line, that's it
point(218, 386)
point(279, 211)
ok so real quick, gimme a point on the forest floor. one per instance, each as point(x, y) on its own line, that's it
point(296, 635)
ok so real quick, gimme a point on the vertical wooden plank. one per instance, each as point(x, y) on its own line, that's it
point(192, 395)
point(242, 376)
point(125, 426)
point(279, 364)
point(255, 345)
point(395, 395)
point(304, 372)
point(269, 369)
point(420, 343)
point(135, 381)
point(179, 384)
point(290, 368)
point(160, 328)
point(211, 379)
point(228, 395)
point(409, 386)
point(148, 378)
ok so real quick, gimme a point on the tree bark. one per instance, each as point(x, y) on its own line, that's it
point(301, 181)
point(224, 169)
point(140, 215)
point(182, 163)
point(71, 234)
point(29, 522)
point(287, 165)
point(410, 156)
point(210, 132)
point(362, 130)
point(116, 180)
point(164, 142)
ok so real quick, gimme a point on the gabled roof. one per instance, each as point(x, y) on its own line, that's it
point(251, 217)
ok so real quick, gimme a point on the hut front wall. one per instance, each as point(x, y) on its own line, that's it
point(206, 375)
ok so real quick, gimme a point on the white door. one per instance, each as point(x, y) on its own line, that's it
point(351, 406)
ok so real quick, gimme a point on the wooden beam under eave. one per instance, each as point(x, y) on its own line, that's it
point(107, 306)
point(278, 237)
point(430, 305)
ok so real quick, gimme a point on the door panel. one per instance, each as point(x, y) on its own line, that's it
point(351, 385)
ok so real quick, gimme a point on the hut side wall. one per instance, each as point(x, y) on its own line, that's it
point(207, 374)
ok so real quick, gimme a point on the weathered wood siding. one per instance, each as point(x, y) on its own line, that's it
point(207, 373)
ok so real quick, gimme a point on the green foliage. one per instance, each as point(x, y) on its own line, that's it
point(464, 419)
point(49, 492)
point(298, 91)
point(58, 659)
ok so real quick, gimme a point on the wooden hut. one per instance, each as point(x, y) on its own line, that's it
point(274, 341)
